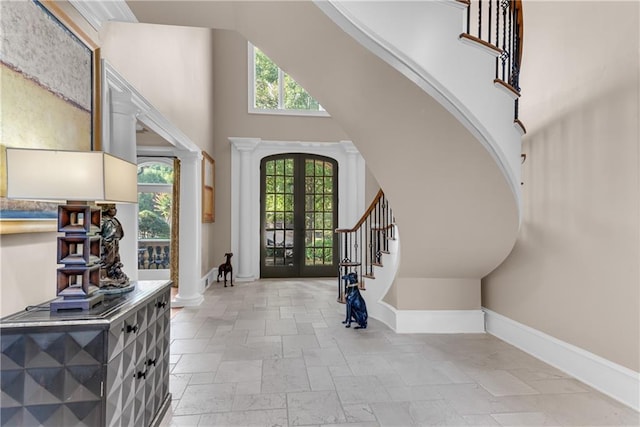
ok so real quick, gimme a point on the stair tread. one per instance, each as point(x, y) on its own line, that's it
point(481, 43)
point(349, 264)
point(510, 90)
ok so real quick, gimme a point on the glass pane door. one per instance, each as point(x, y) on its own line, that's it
point(299, 214)
point(278, 211)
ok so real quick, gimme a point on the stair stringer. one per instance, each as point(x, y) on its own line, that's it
point(420, 39)
point(376, 289)
point(444, 185)
point(412, 321)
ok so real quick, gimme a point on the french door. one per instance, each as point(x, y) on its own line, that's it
point(299, 213)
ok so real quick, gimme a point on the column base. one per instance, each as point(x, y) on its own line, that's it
point(244, 279)
point(180, 301)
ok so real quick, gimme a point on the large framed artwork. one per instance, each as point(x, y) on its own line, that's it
point(49, 99)
point(208, 188)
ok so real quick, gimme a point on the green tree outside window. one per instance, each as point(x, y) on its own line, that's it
point(276, 90)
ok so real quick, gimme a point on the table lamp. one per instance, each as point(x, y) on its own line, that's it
point(76, 177)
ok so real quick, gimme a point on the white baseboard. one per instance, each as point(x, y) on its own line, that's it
point(439, 321)
point(618, 382)
point(208, 278)
point(383, 312)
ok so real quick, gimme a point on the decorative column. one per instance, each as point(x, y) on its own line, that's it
point(190, 247)
point(354, 197)
point(122, 143)
point(243, 230)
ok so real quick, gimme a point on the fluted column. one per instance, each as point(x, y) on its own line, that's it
point(122, 143)
point(246, 252)
point(190, 247)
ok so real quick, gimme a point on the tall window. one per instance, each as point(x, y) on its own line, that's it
point(155, 187)
point(274, 91)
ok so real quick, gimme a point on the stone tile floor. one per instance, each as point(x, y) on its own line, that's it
point(274, 353)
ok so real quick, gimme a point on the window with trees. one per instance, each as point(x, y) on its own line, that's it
point(274, 91)
point(155, 190)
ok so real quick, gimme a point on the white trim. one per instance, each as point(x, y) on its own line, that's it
point(208, 279)
point(351, 189)
point(98, 12)
point(146, 114)
point(618, 382)
point(283, 112)
point(376, 289)
point(113, 89)
point(439, 321)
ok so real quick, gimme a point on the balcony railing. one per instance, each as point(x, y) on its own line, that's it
point(154, 254)
point(499, 23)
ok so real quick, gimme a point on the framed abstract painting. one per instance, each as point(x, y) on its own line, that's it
point(49, 98)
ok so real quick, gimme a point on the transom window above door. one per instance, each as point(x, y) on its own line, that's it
point(272, 91)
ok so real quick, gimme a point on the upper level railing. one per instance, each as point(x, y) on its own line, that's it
point(499, 23)
point(362, 246)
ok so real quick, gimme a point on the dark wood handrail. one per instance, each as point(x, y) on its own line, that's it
point(362, 246)
point(364, 217)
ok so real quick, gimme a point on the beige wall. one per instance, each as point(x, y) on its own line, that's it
point(230, 86)
point(171, 67)
point(371, 187)
point(28, 270)
point(575, 270)
point(202, 89)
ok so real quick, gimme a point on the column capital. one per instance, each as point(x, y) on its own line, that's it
point(244, 144)
point(189, 156)
point(349, 147)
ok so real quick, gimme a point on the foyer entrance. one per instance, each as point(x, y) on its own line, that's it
point(299, 213)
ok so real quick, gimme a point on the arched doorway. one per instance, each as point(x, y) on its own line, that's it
point(299, 213)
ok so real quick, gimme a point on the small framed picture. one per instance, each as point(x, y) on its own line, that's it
point(208, 188)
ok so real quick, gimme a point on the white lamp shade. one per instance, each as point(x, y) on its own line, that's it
point(70, 175)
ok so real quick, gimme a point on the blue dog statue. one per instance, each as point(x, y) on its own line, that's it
point(356, 307)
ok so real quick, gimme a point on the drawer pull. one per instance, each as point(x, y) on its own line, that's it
point(141, 374)
point(162, 304)
point(132, 328)
point(152, 362)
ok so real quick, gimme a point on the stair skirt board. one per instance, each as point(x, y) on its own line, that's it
point(618, 382)
point(430, 321)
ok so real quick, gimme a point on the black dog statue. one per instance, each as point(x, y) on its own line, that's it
point(226, 268)
point(356, 307)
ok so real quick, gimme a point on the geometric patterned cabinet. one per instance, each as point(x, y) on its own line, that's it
point(105, 367)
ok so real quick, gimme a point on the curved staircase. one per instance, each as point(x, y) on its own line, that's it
point(421, 105)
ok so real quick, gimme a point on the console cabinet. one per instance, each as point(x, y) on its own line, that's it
point(108, 366)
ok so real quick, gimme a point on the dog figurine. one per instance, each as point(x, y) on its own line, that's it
point(356, 306)
point(226, 268)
